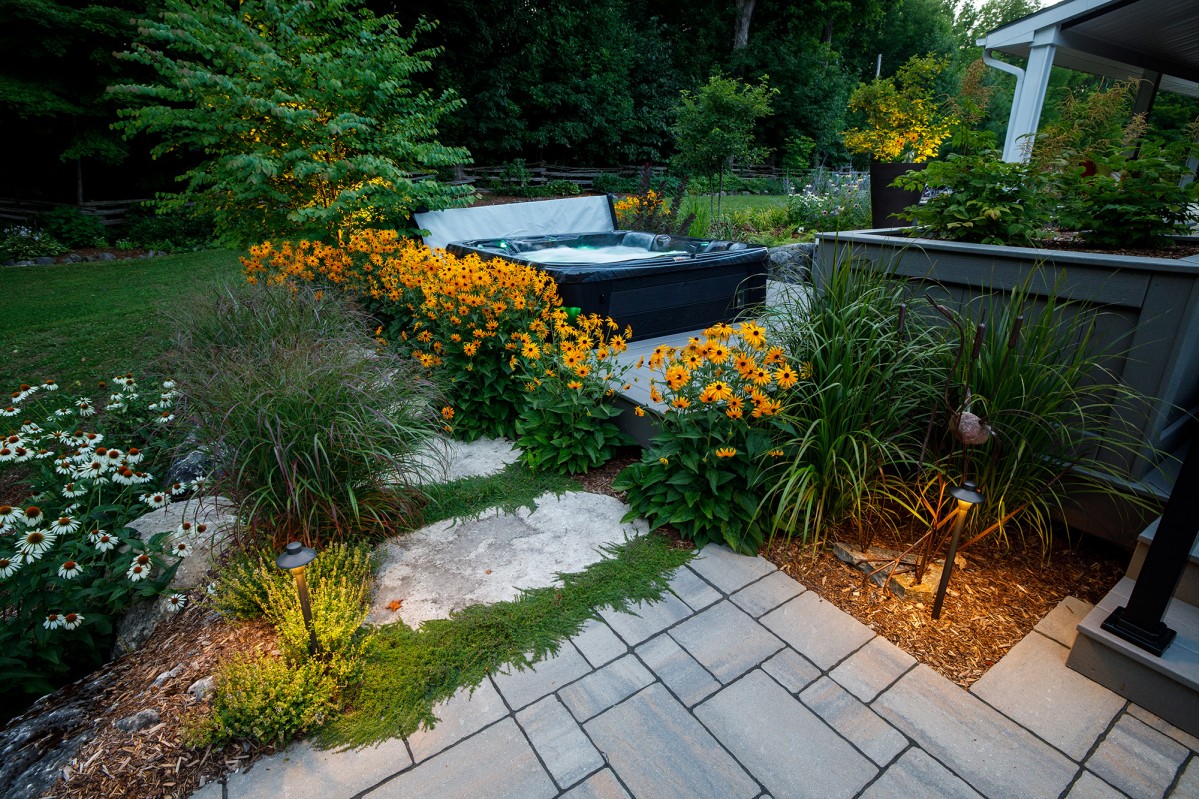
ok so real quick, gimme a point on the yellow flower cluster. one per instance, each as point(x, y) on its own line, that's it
point(580, 349)
point(731, 369)
point(636, 205)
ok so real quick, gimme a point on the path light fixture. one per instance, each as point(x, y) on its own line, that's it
point(295, 559)
point(967, 497)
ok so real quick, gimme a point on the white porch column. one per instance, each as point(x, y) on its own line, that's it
point(1030, 96)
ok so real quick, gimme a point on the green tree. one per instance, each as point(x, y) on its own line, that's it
point(307, 114)
point(714, 126)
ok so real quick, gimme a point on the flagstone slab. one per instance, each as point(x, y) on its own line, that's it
point(818, 630)
point(691, 588)
point(644, 620)
point(601, 689)
point(1137, 759)
point(601, 785)
point(726, 641)
point(463, 714)
point(727, 570)
point(498, 763)
point(1061, 623)
point(783, 744)
point(863, 728)
point(559, 741)
point(767, 594)
point(301, 770)
point(680, 672)
point(1032, 686)
point(872, 668)
point(996, 756)
point(521, 688)
point(598, 643)
point(659, 751)
point(1188, 783)
point(1161, 725)
point(916, 774)
point(1091, 787)
point(793, 671)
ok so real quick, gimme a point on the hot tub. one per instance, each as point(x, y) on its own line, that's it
point(658, 284)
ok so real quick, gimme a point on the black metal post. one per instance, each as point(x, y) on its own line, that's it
point(1140, 622)
point(949, 557)
point(305, 608)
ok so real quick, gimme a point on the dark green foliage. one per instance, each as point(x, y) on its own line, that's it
point(73, 227)
point(515, 487)
point(309, 116)
point(567, 430)
point(408, 671)
point(26, 243)
point(166, 229)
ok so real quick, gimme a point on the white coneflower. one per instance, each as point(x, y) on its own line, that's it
point(198, 484)
point(177, 489)
point(69, 510)
point(105, 541)
point(50, 385)
point(142, 477)
point(94, 534)
point(124, 476)
point(35, 543)
point(134, 456)
point(64, 525)
point(201, 528)
point(210, 589)
point(168, 384)
point(72, 490)
point(8, 513)
point(84, 407)
point(115, 397)
point(7, 454)
point(117, 407)
point(181, 549)
point(93, 468)
point(72, 620)
point(70, 570)
point(91, 439)
point(9, 566)
point(33, 516)
point(61, 436)
point(31, 429)
point(114, 457)
point(53, 621)
point(23, 455)
point(137, 572)
point(166, 416)
point(9, 411)
point(62, 412)
point(63, 466)
point(156, 499)
point(42, 454)
point(175, 602)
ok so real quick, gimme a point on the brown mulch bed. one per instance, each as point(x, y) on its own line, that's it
point(154, 763)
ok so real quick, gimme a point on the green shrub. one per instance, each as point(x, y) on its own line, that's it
point(268, 700)
point(607, 183)
point(73, 227)
point(315, 435)
point(857, 418)
point(830, 201)
point(167, 229)
point(25, 243)
point(768, 226)
point(566, 422)
point(561, 188)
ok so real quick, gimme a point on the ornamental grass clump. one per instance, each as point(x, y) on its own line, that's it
point(464, 320)
point(69, 562)
point(567, 422)
point(721, 432)
point(315, 435)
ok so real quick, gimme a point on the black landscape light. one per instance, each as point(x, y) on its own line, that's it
point(295, 559)
point(967, 497)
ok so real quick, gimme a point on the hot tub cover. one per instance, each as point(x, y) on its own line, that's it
point(512, 220)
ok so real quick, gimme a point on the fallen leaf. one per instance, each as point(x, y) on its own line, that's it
point(487, 572)
point(395, 605)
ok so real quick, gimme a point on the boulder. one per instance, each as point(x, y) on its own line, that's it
point(791, 263)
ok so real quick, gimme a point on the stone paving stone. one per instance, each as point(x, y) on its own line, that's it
point(213, 790)
point(918, 775)
point(646, 619)
point(872, 668)
point(462, 714)
point(521, 688)
point(598, 643)
point(767, 594)
point(726, 641)
point(1188, 784)
point(859, 724)
point(793, 671)
point(498, 763)
point(560, 742)
point(1032, 686)
point(1091, 787)
point(681, 673)
point(782, 743)
point(1061, 623)
point(818, 630)
point(1161, 725)
point(1137, 759)
point(727, 570)
point(993, 754)
point(601, 785)
point(690, 588)
point(603, 688)
point(660, 751)
point(302, 771)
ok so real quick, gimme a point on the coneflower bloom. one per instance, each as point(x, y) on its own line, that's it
point(64, 525)
point(181, 549)
point(175, 602)
point(156, 499)
point(9, 514)
point(35, 543)
point(70, 570)
point(53, 621)
point(9, 566)
point(33, 516)
point(137, 572)
point(104, 541)
point(72, 620)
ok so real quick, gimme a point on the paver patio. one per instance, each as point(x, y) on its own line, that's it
point(747, 686)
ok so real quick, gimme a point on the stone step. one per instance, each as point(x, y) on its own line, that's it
point(1166, 685)
point(1188, 585)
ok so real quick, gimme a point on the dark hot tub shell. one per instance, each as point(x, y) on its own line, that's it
point(688, 285)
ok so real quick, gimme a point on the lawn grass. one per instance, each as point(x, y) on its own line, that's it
point(79, 323)
point(738, 202)
point(409, 671)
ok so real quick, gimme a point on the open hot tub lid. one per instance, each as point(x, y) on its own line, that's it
point(517, 220)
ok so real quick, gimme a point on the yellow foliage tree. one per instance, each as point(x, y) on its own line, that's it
point(905, 119)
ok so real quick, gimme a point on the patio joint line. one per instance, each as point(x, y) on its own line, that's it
point(1052, 746)
point(884, 769)
point(1178, 774)
point(889, 685)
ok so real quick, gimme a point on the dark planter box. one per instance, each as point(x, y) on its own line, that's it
point(1148, 310)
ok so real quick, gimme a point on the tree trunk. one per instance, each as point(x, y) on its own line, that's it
point(745, 12)
point(79, 182)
